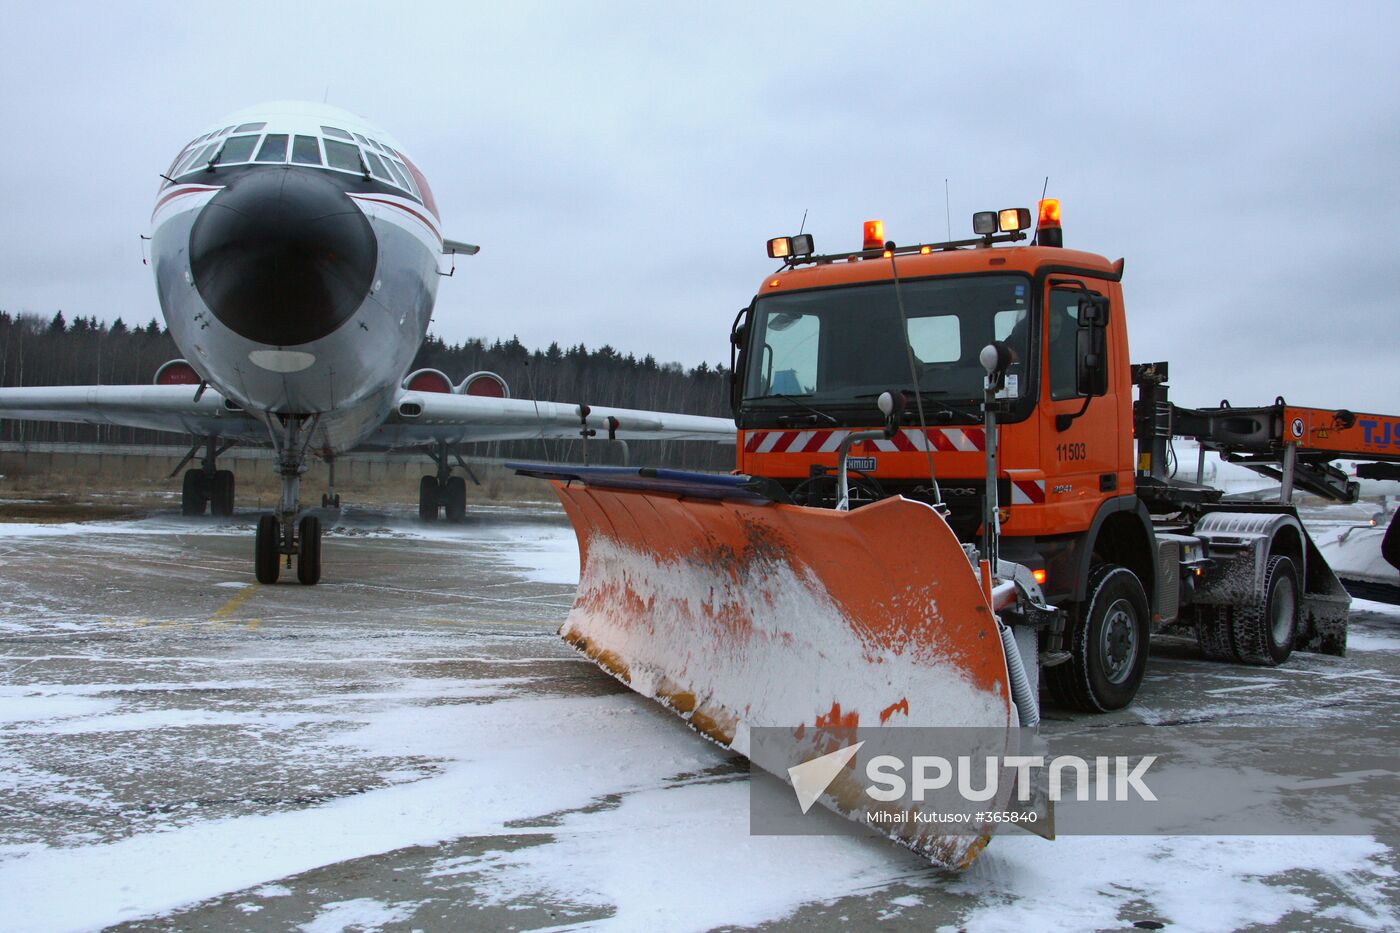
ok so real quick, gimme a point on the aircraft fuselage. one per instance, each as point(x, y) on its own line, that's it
point(298, 272)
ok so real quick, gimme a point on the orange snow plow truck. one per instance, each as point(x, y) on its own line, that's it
point(938, 510)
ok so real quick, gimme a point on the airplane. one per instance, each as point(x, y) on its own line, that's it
point(296, 250)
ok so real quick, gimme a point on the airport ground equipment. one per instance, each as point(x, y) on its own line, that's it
point(938, 506)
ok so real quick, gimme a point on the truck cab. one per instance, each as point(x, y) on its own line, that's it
point(823, 339)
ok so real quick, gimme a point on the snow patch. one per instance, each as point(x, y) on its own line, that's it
point(498, 763)
point(363, 913)
point(1199, 883)
point(681, 859)
point(28, 705)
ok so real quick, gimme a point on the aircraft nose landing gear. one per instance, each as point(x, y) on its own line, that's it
point(280, 535)
point(269, 550)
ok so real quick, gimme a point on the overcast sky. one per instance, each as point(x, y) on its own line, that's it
point(622, 165)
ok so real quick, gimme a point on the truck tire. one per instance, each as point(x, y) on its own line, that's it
point(1265, 628)
point(1108, 644)
point(1215, 633)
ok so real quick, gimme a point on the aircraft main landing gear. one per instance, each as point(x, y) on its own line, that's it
point(207, 486)
point(444, 491)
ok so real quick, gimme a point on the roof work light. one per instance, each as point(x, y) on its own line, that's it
point(788, 247)
point(1013, 219)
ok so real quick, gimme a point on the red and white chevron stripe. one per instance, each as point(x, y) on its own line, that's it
point(939, 440)
point(1028, 492)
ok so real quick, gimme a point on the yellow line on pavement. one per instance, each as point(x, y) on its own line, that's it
point(230, 607)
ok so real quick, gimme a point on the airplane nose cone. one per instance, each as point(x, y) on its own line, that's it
point(282, 256)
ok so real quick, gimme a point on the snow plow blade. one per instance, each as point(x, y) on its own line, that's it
point(740, 613)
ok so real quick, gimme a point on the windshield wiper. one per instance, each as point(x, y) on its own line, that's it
point(798, 402)
point(926, 393)
point(941, 408)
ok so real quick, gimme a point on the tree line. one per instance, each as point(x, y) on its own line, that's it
point(36, 350)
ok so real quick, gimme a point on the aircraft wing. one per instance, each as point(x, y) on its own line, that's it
point(156, 407)
point(424, 417)
point(415, 419)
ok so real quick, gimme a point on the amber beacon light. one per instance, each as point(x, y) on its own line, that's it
point(874, 234)
point(1048, 232)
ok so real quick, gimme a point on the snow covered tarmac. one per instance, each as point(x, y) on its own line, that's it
point(409, 746)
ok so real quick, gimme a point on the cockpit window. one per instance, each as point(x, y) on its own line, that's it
point(182, 163)
point(342, 156)
point(411, 185)
point(225, 131)
point(237, 149)
point(398, 174)
point(198, 159)
point(175, 162)
point(306, 150)
point(361, 140)
point(337, 133)
point(375, 144)
point(274, 148)
point(376, 167)
point(249, 127)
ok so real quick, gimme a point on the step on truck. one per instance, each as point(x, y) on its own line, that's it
point(947, 501)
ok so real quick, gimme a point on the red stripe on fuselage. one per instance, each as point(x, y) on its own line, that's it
point(181, 191)
point(407, 210)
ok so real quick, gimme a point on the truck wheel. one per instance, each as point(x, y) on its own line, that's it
point(1215, 633)
point(1108, 644)
point(1265, 628)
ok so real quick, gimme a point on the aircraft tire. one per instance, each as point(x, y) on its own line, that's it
point(428, 493)
point(193, 493)
point(267, 557)
point(221, 496)
point(309, 556)
point(456, 499)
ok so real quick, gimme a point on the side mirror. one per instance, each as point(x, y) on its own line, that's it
point(1091, 369)
point(738, 338)
point(1093, 311)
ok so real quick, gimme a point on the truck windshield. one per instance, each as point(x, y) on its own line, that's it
point(834, 345)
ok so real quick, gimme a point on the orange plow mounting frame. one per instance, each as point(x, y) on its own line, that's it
point(740, 615)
